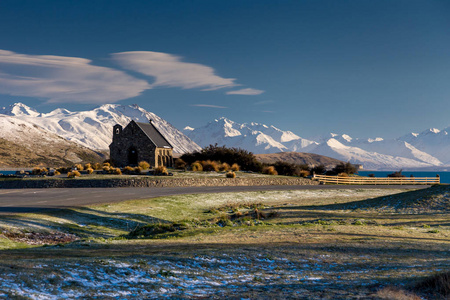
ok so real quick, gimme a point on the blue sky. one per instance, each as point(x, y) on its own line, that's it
point(366, 68)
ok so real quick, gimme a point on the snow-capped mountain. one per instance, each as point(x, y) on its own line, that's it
point(432, 141)
point(24, 143)
point(93, 129)
point(428, 149)
point(254, 137)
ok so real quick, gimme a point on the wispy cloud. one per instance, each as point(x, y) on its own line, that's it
point(169, 70)
point(247, 91)
point(62, 79)
point(208, 105)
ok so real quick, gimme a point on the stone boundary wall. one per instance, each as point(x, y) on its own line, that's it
point(150, 182)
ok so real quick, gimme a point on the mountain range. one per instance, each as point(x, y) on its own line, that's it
point(92, 131)
point(429, 149)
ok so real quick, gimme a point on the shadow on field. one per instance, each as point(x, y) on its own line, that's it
point(81, 221)
point(433, 199)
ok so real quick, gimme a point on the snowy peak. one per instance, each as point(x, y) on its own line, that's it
point(19, 109)
point(93, 129)
point(254, 137)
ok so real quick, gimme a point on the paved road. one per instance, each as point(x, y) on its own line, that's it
point(32, 200)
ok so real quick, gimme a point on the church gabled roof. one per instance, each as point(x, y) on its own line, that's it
point(154, 135)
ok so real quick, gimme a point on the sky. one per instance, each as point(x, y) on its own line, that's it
point(364, 68)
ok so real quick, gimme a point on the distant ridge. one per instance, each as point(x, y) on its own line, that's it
point(429, 149)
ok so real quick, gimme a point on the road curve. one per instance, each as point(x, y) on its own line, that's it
point(33, 200)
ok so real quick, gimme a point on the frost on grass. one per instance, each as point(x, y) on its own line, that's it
point(191, 276)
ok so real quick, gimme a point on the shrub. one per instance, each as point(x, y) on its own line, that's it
point(106, 164)
point(289, 169)
point(144, 165)
point(270, 170)
point(304, 173)
point(128, 170)
point(106, 169)
point(210, 166)
point(180, 164)
point(56, 173)
point(235, 167)
point(231, 174)
point(197, 167)
point(39, 171)
point(239, 156)
point(73, 174)
point(79, 167)
point(161, 171)
point(97, 166)
point(224, 167)
point(87, 166)
point(90, 170)
point(117, 171)
point(137, 170)
point(319, 170)
point(345, 168)
point(64, 170)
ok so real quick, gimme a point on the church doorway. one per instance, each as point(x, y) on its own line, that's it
point(132, 156)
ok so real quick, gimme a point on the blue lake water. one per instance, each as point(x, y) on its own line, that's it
point(445, 176)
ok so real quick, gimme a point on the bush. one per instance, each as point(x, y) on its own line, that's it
point(144, 165)
point(137, 170)
point(224, 167)
point(90, 170)
point(304, 173)
point(117, 171)
point(180, 164)
point(79, 167)
point(231, 174)
point(345, 168)
point(73, 174)
point(438, 284)
point(210, 166)
point(128, 170)
point(319, 170)
point(106, 169)
point(87, 166)
point(97, 166)
point(235, 167)
point(239, 156)
point(270, 170)
point(64, 170)
point(106, 164)
point(56, 173)
point(161, 171)
point(39, 171)
point(197, 167)
point(288, 169)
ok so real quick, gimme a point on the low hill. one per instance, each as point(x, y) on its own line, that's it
point(298, 158)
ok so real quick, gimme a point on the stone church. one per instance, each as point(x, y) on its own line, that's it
point(140, 142)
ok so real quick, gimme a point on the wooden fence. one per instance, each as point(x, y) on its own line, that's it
point(377, 180)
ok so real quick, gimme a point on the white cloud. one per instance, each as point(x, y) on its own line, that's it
point(208, 105)
point(169, 70)
point(247, 91)
point(63, 79)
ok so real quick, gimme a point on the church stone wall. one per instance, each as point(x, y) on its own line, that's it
point(129, 139)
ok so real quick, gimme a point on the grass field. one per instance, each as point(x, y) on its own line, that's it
point(321, 244)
